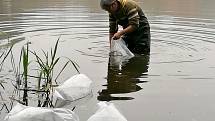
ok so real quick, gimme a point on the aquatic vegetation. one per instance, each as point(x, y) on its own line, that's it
point(46, 73)
point(33, 66)
point(46, 79)
point(4, 54)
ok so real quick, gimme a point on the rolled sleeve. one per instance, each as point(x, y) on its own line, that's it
point(133, 17)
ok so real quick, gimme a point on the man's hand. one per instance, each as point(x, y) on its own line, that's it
point(127, 30)
point(117, 35)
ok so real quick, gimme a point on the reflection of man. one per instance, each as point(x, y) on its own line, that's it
point(126, 79)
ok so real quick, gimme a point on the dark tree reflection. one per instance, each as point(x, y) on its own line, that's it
point(125, 79)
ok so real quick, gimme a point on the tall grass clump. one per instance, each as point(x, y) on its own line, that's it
point(44, 73)
point(33, 68)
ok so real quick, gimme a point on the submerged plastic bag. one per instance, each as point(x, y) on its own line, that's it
point(119, 48)
point(27, 113)
point(107, 112)
point(73, 89)
point(119, 53)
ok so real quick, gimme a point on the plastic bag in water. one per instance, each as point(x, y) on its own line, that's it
point(119, 48)
point(73, 89)
point(107, 112)
point(27, 113)
point(119, 53)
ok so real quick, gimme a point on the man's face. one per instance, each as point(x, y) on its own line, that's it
point(112, 8)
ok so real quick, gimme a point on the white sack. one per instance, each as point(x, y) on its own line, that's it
point(107, 112)
point(27, 113)
point(119, 53)
point(73, 89)
point(119, 48)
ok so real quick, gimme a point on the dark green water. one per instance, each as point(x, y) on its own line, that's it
point(175, 83)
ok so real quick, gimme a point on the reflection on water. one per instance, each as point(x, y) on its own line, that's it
point(126, 79)
point(181, 40)
point(180, 73)
point(26, 19)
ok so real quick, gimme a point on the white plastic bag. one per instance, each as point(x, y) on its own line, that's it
point(119, 53)
point(119, 48)
point(107, 112)
point(27, 113)
point(73, 89)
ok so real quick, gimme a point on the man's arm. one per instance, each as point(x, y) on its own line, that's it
point(113, 27)
point(133, 21)
point(127, 30)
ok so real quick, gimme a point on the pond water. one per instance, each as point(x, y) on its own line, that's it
point(175, 83)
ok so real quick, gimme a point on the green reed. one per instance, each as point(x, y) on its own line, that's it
point(25, 63)
point(43, 72)
point(36, 66)
point(46, 77)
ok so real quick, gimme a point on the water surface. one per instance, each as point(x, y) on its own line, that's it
point(175, 83)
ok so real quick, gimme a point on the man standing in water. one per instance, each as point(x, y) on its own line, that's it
point(136, 29)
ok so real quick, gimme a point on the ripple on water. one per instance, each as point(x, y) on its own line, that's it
point(72, 21)
point(179, 39)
